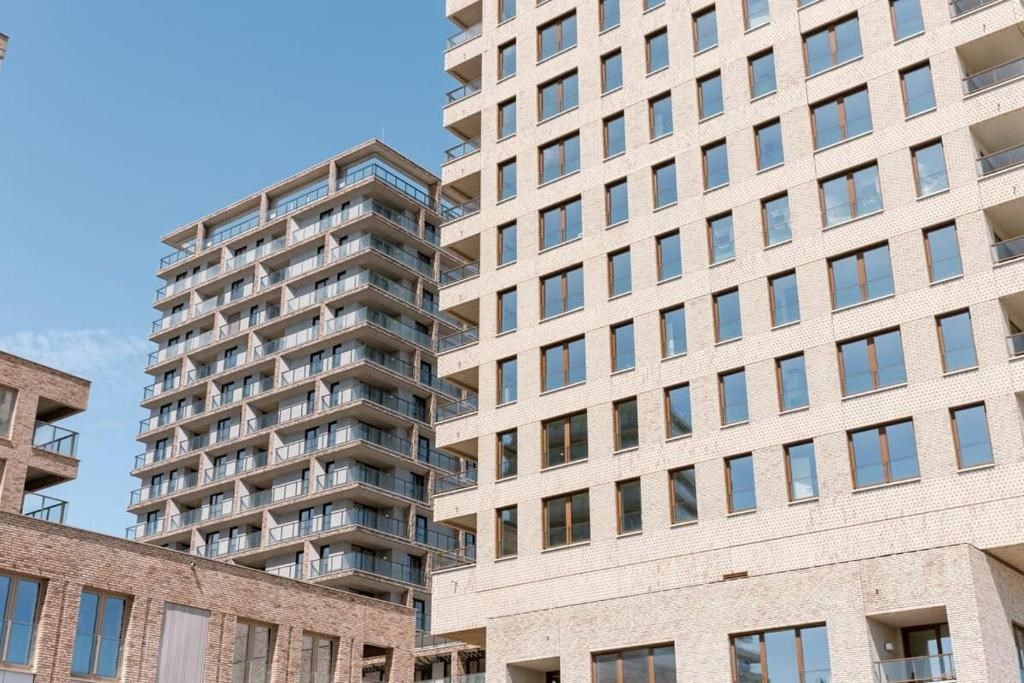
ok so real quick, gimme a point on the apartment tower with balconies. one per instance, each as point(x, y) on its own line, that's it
point(294, 387)
point(747, 299)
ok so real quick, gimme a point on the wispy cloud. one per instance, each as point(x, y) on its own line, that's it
point(97, 354)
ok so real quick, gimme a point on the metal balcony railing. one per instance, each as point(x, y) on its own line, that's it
point(917, 669)
point(45, 508)
point(228, 546)
point(344, 436)
point(457, 211)
point(155, 455)
point(53, 439)
point(260, 386)
point(436, 539)
point(994, 76)
point(389, 177)
point(460, 557)
point(1001, 160)
point(383, 321)
point(465, 337)
point(450, 411)
point(145, 529)
point(276, 494)
point(370, 564)
point(362, 517)
point(381, 397)
point(164, 488)
point(294, 270)
point(959, 7)
point(456, 482)
point(226, 232)
point(460, 150)
point(252, 460)
point(372, 477)
point(462, 92)
point(461, 273)
point(1007, 250)
point(464, 36)
point(205, 513)
point(157, 388)
point(436, 458)
point(176, 256)
point(296, 203)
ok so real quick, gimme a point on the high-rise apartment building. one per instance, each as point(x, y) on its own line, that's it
point(748, 305)
point(291, 412)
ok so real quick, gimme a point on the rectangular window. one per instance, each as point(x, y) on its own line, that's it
point(19, 607)
point(567, 519)
point(507, 179)
point(884, 454)
point(254, 646)
point(871, 362)
point(684, 495)
point(768, 147)
point(800, 652)
point(623, 349)
point(561, 223)
point(801, 471)
point(841, 118)
point(721, 239)
point(728, 322)
point(559, 158)
point(861, 276)
point(929, 168)
point(970, 435)
point(614, 135)
point(659, 115)
point(942, 250)
point(629, 504)
point(318, 655)
point(761, 73)
point(557, 96)
point(610, 14)
point(756, 13)
point(507, 60)
point(8, 400)
point(508, 531)
point(627, 425)
point(506, 10)
point(508, 453)
point(644, 665)
point(670, 256)
point(664, 176)
point(507, 119)
point(832, 45)
point(709, 95)
point(565, 439)
point(673, 331)
point(616, 202)
point(678, 417)
point(850, 195)
point(564, 364)
point(620, 277)
point(956, 341)
point(739, 483)
point(611, 71)
point(507, 310)
point(732, 396)
point(556, 36)
point(715, 163)
point(791, 376)
point(705, 29)
point(657, 50)
point(775, 220)
point(507, 244)
point(562, 292)
point(906, 18)
point(916, 86)
point(784, 298)
point(99, 636)
point(507, 380)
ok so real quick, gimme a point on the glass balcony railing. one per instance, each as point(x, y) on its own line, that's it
point(994, 76)
point(255, 388)
point(461, 273)
point(372, 477)
point(917, 669)
point(288, 571)
point(454, 409)
point(959, 7)
point(169, 321)
point(226, 232)
point(389, 177)
point(404, 256)
point(1007, 250)
point(363, 517)
point(345, 436)
point(228, 363)
point(53, 439)
point(450, 559)
point(251, 459)
point(194, 443)
point(380, 397)
point(175, 350)
point(457, 211)
point(232, 295)
point(250, 255)
point(249, 321)
point(294, 270)
point(458, 340)
point(464, 36)
point(164, 488)
point(283, 343)
point(45, 508)
point(197, 407)
point(439, 459)
point(381, 320)
point(163, 386)
point(1015, 342)
point(436, 539)
point(205, 513)
point(276, 494)
point(462, 92)
point(228, 546)
point(351, 283)
point(193, 280)
point(176, 256)
point(367, 563)
point(463, 149)
point(296, 203)
point(295, 412)
point(154, 456)
point(1001, 160)
point(145, 529)
point(456, 482)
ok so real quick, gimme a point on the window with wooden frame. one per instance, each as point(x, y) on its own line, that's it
point(616, 202)
point(917, 89)
point(663, 177)
point(567, 519)
point(842, 117)
point(906, 19)
point(507, 530)
point(318, 656)
point(929, 164)
point(710, 101)
point(614, 135)
point(611, 71)
point(508, 381)
point(768, 145)
point(659, 115)
point(99, 637)
point(507, 60)
point(740, 489)
point(756, 13)
point(507, 244)
point(656, 50)
point(508, 453)
point(721, 239)
point(565, 439)
point(715, 164)
point(507, 310)
point(761, 74)
point(705, 29)
point(558, 95)
point(626, 424)
point(732, 397)
point(956, 341)
point(871, 362)
point(852, 194)
point(683, 494)
point(801, 471)
point(654, 664)
point(506, 10)
point(832, 45)
point(19, 610)
point(629, 506)
point(556, 36)
point(784, 298)
point(609, 14)
point(971, 438)
point(559, 158)
point(507, 118)
point(620, 276)
point(775, 220)
point(507, 185)
point(942, 251)
point(798, 653)
point(563, 364)
point(883, 454)
point(860, 276)
point(791, 382)
point(561, 223)
point(623, 347)
point(678, 415)
point(562, 292)
point(670, 256)
point(673, 331)
point(726, 309)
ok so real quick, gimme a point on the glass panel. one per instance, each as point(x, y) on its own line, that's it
point(680, 420)
point(664, 664)
point(615, 136)
point(554, 370)
point(747, 652)
point(847, 40)
point(803, 471)
point(580, 505)
point(943, 253)
point(758, 13)
point(665, 185)
point(630, 508)
point(867, 458)
point(657, 51)
point(21, 629)
point(723, 245)
point(578, 437)
point(670, 260)
point(108, 661)
point(508, 311)
point(625, 353)
point(836, 195)
point(857, 375)
point(902, 450)
point(878, 269)
point(769, 146)
point(684, 495)
point(762, 75)
point(507, 178)
point(705, 29)
point(776, 218)
point(917, 90)
point(508, 444)
point(634, 666)
point(780, 656)
point(628, 425)
point(661, 116)
point(785, 300)
point(827, 127)
point(508, 390)
point(607, 668)
point(88, 613)
point(612, 72)
point(889, 353)
point(858, 113)
point(728, 320)
point(711, 102)
point(507, 251)
point(793, 376)
point(957, 342)
point(716, 165)
point(577, 361)
point(814, 644)
point(930, 163)
point(734, 397)
point(618, 203)
point(906, 18)
point(674, 322)
point(867, 190)
point(975, 446)
point(741, 479)
point(819, 51)
point(620, 273)
point(609, 14)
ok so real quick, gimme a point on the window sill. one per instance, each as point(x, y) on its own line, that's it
point(680, 437)
point(872, 392)
point(562, 465)
point(558, 114)
point(507, 264)
point(507, 137)
point(742, 513)
point(615, 156)
point(665, 206)
point(511, 477)
point(677, 525)
point(835, 66)
point(906, 38)
point(770, 168)
point(886, 485)
point(803, 501)
point(560, 315)
point(503, 333)
point(794, 411)
point(854, 219)
point(660, 69)
point(922, 197)
point(754, 28)
point(719, 186)
point(560, 244)
point(991, 87)
point(705, 50)
point(711, 116)
point(613, 90)
point(807, 4)
point(670, 279)
point(620, 295)
point(864, 303)
point(773, 245)
point(562, 388)
point(661, 137)
point(556, 54)
point(651, 9)
point(731, 259)
point(730, 340)
point(552, 181)
point(623, 371)
point(505, 200)
point(783, 326)
point(735, 424)
point(837, 143)
point(505, 21)
point(616, 224)
point(505, 558)
point(624, 451)
point(629, 534)
point(506, 404)
point(758, 98)
point(504, 78)
point(567, 546)
point(918, 114)
point(609, 29)
point(951, 278)
point(976, 468)
point(959, 371)
point(673, 356)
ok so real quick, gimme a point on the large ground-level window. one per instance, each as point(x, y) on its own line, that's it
point(318, 655)
point(655, 664)
point(254, 646)
point(99, 636)
point(791, 655)
point(19, 603)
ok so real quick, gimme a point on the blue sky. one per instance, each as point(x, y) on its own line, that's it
point(121, 120)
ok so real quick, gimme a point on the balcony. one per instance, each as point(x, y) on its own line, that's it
point(1006, 224)
point(232, 295)
point(226, 398)
point(53, 439)
point(463, 149)
point(176, 350)
point(290, 203)
point(464, 36)
point(169, 321)
point(251, 255)
point(1013, 311)
point(224, 232)
point(154, 456)
point(389, 177)
point(460, 557)
point(366, 563)
point(361, 517)
point(280, 417)
point(959, 8)
point(164, 488)
point(45, 508)
point(347, 435)
point(186, 283)
point(294, 270)
point(177, 256)
point(196, 407)
point(199, 515)
point(352, 283)
point(252, 460)
point(228, 546)
point(276, 494)
point(145, 529)
point(999, 142)
point(456, 482)
point(249, 321)
point(217, 367)
point(458, 340)
point(462, 92)
point(460, 273)
point(384, 322)
point(992, 60)
point(194, 443)
point(406, 257)
point(158, 388)
point(288, 341)
point(377, 396)
point(372, 477)
point(916, 669)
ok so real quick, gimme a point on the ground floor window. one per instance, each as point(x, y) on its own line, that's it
point(791, 655)
point(654, 664)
